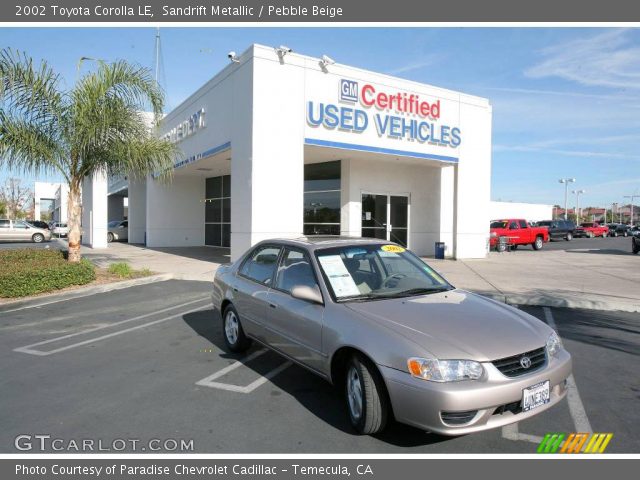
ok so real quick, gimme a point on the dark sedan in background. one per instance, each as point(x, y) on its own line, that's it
point(559, 229)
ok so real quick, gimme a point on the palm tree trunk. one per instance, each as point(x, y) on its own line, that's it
point(74, 220)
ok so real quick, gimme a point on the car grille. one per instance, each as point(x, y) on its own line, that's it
point(511, 366)
point(458, 418)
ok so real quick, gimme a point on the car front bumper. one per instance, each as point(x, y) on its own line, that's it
point(420, 403)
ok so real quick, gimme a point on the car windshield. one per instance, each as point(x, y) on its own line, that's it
point(114, 223)
point(372, 272)
point(499, 224)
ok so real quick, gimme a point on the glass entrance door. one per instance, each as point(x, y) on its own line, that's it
point(385, 217)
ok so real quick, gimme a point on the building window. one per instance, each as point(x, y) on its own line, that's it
point(217, 220)
point(322, 198)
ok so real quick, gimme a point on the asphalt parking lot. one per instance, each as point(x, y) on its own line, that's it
point(149, 362)
point(615, 245)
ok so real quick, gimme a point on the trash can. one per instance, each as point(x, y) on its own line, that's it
point(440, 250)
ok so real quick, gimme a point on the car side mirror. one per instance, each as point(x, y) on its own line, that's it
point(308, 294)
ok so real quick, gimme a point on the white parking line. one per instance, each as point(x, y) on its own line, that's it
point(209, 381)
point(29, 348)
point(576, 407)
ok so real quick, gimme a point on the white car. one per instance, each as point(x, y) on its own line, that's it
point(59, 229)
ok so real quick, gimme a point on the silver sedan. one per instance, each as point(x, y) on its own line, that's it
point(403, 343)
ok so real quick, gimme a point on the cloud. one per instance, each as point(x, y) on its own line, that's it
point(424, 62)
point(609, 59)
point(567, 153)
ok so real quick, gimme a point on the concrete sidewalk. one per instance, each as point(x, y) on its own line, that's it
point(586, 278)
point(579, 278)
point(184, 263)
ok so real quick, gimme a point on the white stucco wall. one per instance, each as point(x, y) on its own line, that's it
point(532, 212)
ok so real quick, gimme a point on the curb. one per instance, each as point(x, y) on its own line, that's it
point(82, 292)
point(561, 302)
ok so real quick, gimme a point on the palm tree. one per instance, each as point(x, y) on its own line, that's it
point(98, 126)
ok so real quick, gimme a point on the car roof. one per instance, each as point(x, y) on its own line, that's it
point(315, 242)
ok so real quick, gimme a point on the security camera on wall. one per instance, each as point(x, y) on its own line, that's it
point(282, 50)
point(233, 57)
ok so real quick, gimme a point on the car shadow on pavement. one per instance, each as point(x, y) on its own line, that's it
point(601, 251)
point(598, 328)
point(313, 393)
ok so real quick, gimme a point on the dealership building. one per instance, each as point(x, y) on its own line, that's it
point(279, 144)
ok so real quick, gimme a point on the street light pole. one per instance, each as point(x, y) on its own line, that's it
point(632, 197)
point(578, 193)
point(566, 182)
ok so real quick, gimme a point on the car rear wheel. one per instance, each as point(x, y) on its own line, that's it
point(569, 237)
point(590, 234)
point(366, 396)
point(37, 238)
point(234, 336)
point(626, 234)
point(537, 245)
point(635, 248)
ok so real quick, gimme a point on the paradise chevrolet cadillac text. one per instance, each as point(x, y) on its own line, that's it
point(372, 318)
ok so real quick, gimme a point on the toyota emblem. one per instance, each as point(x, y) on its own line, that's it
point(525, 362)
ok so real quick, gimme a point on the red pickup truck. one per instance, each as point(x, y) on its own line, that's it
point(516, 232)
point(591, 229)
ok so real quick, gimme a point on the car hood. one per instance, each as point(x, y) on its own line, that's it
point(458, 325)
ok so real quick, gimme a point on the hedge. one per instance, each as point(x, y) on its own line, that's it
point(29, 272)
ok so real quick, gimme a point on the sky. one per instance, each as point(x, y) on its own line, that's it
point(566, 101)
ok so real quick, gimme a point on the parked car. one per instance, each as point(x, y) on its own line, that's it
point(591, 229)
point(559, 229)
point(118, 230)
point(19, 230)
point(635, 240)
point(376, 321)
point(59, 229)
point(38, 224)
point(619, 229)
point(516, 232)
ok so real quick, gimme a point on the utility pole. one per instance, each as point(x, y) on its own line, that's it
point(157, 53)
point(566, 182)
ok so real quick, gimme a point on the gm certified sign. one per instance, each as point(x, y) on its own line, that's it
point(348, 90)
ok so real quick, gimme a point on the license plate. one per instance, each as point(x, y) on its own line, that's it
point(535, 396)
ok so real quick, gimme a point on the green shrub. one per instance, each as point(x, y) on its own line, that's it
point(121, 269)
point(29, 272)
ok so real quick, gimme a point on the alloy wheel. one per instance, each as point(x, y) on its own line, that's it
point(354, 393)
point(231, 327)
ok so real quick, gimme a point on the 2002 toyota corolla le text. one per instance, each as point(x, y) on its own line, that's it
point(373, 318)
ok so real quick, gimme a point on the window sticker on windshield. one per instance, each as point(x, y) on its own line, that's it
point(339, 277)
point(392, 248)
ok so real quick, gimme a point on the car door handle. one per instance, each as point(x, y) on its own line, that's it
point(234, 289)
point(273, 305)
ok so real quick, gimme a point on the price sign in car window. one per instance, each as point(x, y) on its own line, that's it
point(339, 277)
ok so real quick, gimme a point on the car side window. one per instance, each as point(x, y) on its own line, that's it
point(295, 270)
point(513, 226)
point(19, 225)
point(124, 224)
point(4, 224)
point(261, 264)
point(523, 224)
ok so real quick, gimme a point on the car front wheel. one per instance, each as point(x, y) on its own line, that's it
point(635, 248)
point(110, 237)
point(569, 237)
point(234, 336)
point(366, 397)
point(37, 238)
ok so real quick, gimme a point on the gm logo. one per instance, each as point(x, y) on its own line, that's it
point(348, 90)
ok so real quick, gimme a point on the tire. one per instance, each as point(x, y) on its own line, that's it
point(232, 331)
point(590, 235)
point(635, 248)
point(569, 237)
point(626, 234)
point(614, 234)
point(366, 396)
point(538, 244)
point(37, 238)
point(501, 247)
point(110, 237)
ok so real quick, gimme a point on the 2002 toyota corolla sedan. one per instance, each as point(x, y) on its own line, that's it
point(373, 318)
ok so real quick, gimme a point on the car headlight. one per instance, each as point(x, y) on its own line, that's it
point(436, 370)
point(553, 344)
point(494, 234)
